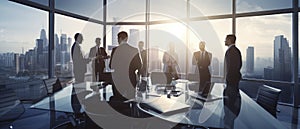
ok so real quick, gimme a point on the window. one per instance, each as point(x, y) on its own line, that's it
point(261, 5)
point(213, 32)
point(65, 29)
point(265, 43)
point(24, 57)
point(210, 7)
point(90, 8)
point(264, 34)
point(167, 9)
point(162, 38)
point(136, 33)
point(42, 2)
point(126, 10)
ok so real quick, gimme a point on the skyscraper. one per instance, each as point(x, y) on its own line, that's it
point(22, 62)
point(134, 37)
point(63, 42)
point(17, 62)
point(69, 44)
point(282, 59)
point(268, 73)
point(39, 51)
point(215, 66)
point(39, 45)
point(43, 37)
point(57, 49)
point(250, 60)
point(155, 63)
point(115, 30)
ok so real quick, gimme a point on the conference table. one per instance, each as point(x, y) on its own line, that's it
point(63, 100)
point(208, 114)
point(214, 114)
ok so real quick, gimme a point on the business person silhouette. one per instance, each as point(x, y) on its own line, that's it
point(98, 64)
point(170, 59)
point(233, 64)
point(125, 61)
point(143, 54)
point(79, 62)
point(202, 60)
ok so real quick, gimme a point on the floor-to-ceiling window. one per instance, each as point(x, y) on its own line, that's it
point(24, 48)
point(263, 30)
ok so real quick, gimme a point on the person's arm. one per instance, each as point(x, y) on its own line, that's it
point(111, 57)
point(138, 61)
point(209, 57)
point(234, 63)
point(90, 54)
point(103, 53)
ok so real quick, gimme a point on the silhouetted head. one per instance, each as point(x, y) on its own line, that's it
point(78, 37)
point(230, 39)
point(202, 46)
point(141, 45)
point(122, 37)
point(98, 41)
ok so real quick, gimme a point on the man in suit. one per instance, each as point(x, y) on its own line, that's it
point(202, 60)
point(233, 64)
point(143, 54)
point(79, 62)
point(170, 59)
point(98, 64)
point(125, 60)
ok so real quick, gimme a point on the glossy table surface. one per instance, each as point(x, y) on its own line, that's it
point(242, 113)
point(65, 99)
point(246, 113)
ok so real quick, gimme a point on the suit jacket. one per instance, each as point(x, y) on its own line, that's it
point(125, 60)
point(79, 62)
point(205, 62)
point(170, 62)
point(233, 64)
point(143, 55)
point(97, 62)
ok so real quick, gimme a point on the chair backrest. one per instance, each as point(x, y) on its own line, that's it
point(52, 85)
point(160, 78)
point(267, 97)
point(11, 107)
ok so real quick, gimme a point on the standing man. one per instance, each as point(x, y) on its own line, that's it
point(202, 60)
point(98, 64)
point(233, 64)
point(143, 54)
point(79, 62)
point(125, 61)
point(170, 59)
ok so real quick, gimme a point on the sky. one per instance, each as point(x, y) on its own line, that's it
point(20, 25)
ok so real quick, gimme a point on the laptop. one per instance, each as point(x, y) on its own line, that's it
point(165, 105)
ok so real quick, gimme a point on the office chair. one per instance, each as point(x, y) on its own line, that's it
point(52, 85)
point(268, 97)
